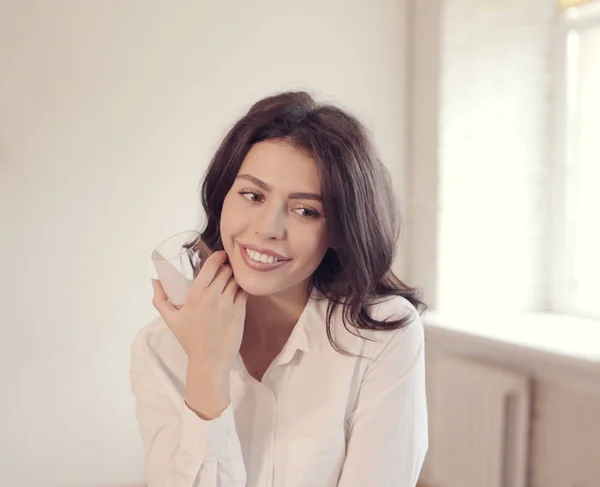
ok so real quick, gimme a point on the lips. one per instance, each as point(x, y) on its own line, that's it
point(262, 266)
point(264, 251)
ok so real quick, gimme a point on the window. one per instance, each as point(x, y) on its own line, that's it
point(493, 137)
point(579, 163)
point(509, 146)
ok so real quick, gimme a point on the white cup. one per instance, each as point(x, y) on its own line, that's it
point(176, 263)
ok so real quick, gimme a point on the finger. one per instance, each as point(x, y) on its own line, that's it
point(161, 302)
point(241, 297)
point(221, 279)
point(208, 272)
point(230, 289)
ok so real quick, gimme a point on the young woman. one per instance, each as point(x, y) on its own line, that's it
point(298, 357)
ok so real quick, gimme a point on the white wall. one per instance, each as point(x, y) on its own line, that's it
point(109, 112)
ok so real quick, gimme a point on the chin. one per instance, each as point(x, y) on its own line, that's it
point(261, 286)
point(258, 290)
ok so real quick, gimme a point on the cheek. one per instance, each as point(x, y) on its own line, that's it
point(228, 219)
point(312, 245)
point(228, 226)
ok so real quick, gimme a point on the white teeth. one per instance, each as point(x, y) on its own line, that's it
point(265, 259)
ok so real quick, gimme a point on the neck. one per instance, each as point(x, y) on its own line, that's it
point(272, 316)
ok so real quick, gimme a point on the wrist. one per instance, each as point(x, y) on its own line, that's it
point(208, 373)
point(207, 392)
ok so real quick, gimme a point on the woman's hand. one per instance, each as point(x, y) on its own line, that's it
point(210, 325)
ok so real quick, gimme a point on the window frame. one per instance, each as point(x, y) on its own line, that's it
point(563, 205)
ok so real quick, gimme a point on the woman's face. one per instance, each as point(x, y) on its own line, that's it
point(272, 224)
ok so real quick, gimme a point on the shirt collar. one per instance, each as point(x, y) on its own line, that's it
point(305, 335)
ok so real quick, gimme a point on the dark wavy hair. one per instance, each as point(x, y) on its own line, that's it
point(359, 204)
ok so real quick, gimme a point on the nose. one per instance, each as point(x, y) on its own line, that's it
point(270, 222)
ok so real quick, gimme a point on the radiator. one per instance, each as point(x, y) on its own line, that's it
point(479, 424)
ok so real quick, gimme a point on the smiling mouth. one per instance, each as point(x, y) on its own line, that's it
point(264, 258)
point(261, 261)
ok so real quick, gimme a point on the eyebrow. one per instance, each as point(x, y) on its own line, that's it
point(294, 196)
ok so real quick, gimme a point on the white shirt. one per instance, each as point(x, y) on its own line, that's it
point(317, 419)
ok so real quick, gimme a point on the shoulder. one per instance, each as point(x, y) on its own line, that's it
point(400, 351)
point(155, 344)
point(409, 338)
point(406, 340)
point(157, 365)
point(149, 337)
point(392, 308)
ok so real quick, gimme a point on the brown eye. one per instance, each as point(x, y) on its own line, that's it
point(252, 196)
point(307, 212)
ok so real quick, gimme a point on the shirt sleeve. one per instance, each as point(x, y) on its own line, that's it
point(388, 432)
point(181, 449)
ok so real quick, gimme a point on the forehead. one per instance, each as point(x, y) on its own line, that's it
point(282, 166)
